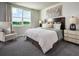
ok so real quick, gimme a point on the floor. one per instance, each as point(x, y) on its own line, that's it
point(20, 47)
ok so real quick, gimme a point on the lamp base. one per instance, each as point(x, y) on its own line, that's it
point(72, 27)
point(40, 25)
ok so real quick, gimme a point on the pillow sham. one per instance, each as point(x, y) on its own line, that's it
point(50, 25)
point(44, 25)
point(57, 26)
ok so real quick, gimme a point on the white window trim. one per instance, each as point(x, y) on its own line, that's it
point(22, 16)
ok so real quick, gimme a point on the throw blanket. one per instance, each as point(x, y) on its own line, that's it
point(45, 38)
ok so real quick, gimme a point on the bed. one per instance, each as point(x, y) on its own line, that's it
point(45, 38)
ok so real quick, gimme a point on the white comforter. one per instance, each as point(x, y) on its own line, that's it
point(45, 38)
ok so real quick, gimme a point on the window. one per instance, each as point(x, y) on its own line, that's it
point(26, 17)
point(20, 17)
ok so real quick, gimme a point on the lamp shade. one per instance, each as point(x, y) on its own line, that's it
point(73, 20)
point(40, 21)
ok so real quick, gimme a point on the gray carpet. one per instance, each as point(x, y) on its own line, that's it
point(20, 47)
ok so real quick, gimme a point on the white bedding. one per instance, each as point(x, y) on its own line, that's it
point(45, 38)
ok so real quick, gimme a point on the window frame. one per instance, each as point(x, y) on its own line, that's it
point(22, 21)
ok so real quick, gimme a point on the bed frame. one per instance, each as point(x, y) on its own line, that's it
point(59, 19)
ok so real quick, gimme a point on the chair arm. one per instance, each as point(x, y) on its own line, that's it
point(2, 36)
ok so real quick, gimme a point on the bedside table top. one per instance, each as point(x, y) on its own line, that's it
point(70, 30)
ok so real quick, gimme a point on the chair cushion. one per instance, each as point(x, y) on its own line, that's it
point(7, 31)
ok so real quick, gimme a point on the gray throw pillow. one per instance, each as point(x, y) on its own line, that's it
point(6, 31)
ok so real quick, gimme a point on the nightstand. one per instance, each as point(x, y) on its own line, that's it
point(71, 36)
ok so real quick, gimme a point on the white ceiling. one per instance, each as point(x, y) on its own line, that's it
point(35, 5)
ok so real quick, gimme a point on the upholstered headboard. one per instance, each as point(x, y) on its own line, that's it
point(60, 20)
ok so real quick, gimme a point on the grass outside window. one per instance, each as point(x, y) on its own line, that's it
point(20, 24)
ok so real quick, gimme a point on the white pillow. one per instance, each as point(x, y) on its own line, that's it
point(7, 31)
point(44, 25)
point(50, 25)
point(57, 26)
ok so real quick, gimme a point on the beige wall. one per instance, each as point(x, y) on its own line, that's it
point(70, 9)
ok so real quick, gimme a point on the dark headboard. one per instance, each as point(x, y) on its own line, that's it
point(60, 20)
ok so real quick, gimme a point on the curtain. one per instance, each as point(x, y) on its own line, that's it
point(9, 15)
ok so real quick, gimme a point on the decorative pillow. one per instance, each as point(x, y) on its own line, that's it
point(44, 25)
point(50, 25)
point(7, 31)
point(57, 26)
